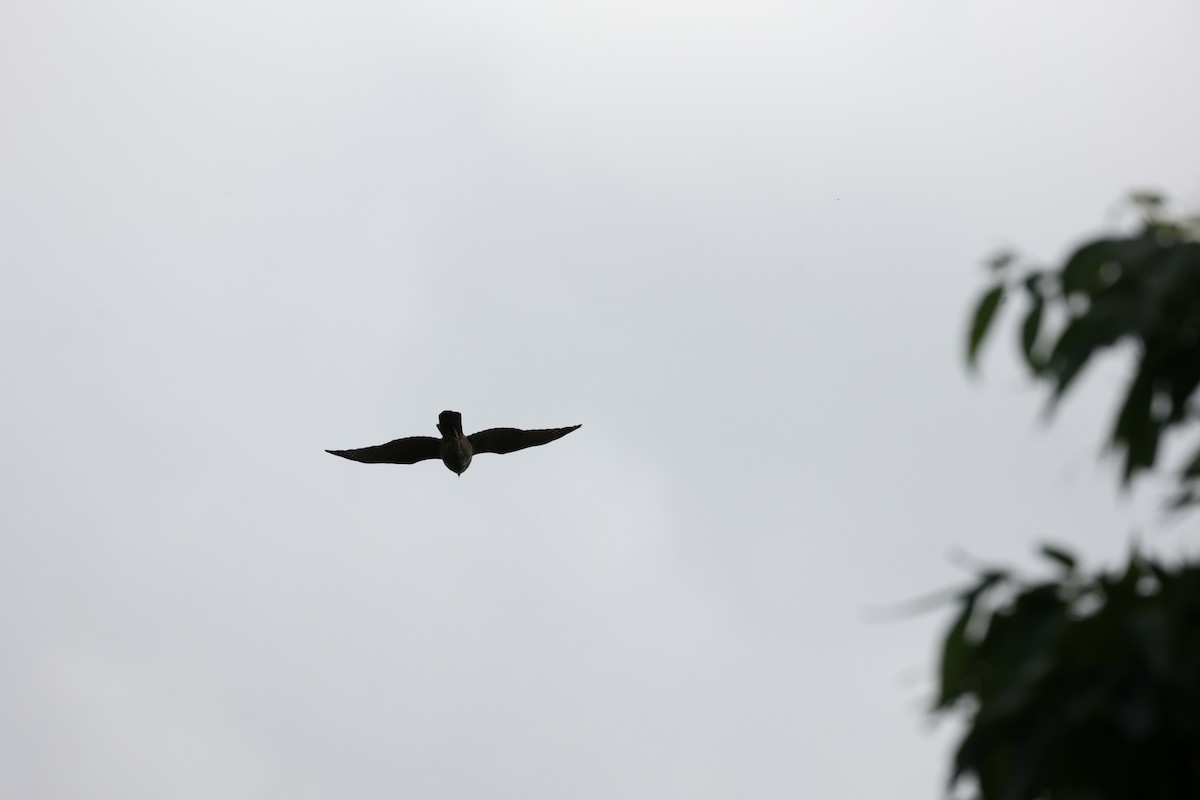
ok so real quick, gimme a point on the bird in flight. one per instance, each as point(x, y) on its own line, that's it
point(454, 449)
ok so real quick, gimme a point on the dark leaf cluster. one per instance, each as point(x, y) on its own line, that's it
point(1080, 687)
point(1142, 289)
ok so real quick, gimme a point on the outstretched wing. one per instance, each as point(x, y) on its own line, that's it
point(409, 450)
point(507, 440)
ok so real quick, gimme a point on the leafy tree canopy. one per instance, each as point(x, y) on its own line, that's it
point(1142, 288)
point(1080, 687)
point(1088, 687)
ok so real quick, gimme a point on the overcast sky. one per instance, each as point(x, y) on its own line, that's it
point(735, 240)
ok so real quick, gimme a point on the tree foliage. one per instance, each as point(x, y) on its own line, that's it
point(1142, 288)
point(1087, 687)
point(1081, 686)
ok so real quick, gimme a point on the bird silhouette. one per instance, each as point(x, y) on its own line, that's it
point(454, 449)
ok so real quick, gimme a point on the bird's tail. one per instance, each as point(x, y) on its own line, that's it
point(450, 424)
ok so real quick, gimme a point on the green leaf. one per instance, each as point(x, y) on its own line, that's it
point(1101, 326)
point(970, 753)
point(1084, 270)
point(1070, 355)
point(1034, 283)
point(981, 322)
point(1061, 556)
point(1136, 430)
point(1029, 334)
point(957, 654)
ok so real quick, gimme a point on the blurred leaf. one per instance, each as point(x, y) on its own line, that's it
point(1029, 333)
point(1192, 470)
point(1182, 500)
point(1136, 714)
point(1102, 325)
point(1084, 270)
point(956, 655)
point(967, 757)
point(1034, 285)
point(1150, 633)
point(1087, 699)
point(1001, 260)
point(1136, 430)
point(981, 321)
point(989, 578)
point(1071, 354)
point(1159, 573)
point(1148, 201)
point(1061, 556)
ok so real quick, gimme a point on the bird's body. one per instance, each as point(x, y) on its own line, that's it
point(454, 448)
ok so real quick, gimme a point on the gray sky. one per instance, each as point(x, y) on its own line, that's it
point(736, 241)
